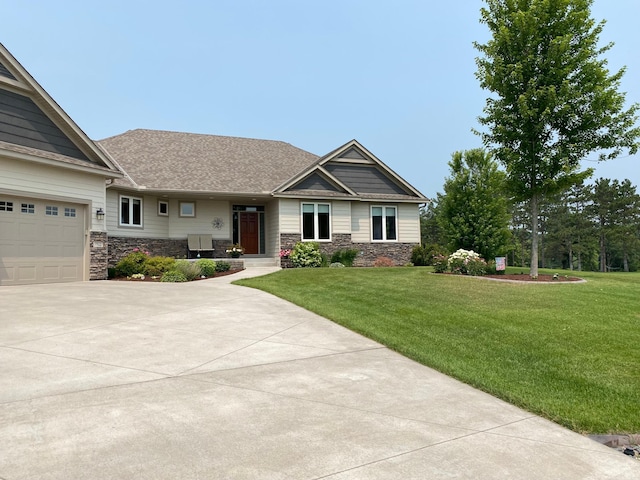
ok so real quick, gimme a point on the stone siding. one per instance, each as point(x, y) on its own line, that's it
point(120, 247)
point(400, 253)
point(99, 255)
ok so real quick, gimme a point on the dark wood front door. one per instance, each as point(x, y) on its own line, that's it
point(249, 232)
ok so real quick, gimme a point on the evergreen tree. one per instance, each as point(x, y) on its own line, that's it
point(473, 211)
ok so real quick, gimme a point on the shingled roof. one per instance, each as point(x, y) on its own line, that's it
point(171, 161)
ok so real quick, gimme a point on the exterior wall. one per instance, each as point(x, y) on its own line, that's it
point(99, 252)
point(400, 253)
point(206, 211)
point(121, 246)
point(360, 222)
point(408, 223)
point(289, 210)
point(28, 179)
point(172, 226)
point(272, 226)
point(340, 217)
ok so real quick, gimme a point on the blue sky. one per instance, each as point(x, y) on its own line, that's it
point(397, 76)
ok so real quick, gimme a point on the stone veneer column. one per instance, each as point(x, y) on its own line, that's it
point(99, 255)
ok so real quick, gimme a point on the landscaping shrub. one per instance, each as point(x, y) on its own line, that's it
point(131, 264)
point(383, 262)
point(336, 265)
point(306, 254)
point(345, 257)
point(156, 266)
point(190, 270)
point(223, 266)
point(467, 262)
point(423, 255)
point(440, 263)
point(207, 267)
point(173, 276)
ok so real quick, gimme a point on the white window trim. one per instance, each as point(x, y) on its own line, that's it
point(130, 225)
point(384, 225)
point(182, 214)
point(316, 225)
point(163, 202)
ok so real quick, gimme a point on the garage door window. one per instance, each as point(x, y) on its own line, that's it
point(130, 211)
point(6, 206)
point(51, 211)
point(69, 212)
point(29, 208)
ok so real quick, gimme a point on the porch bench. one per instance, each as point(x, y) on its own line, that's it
point(199, 243)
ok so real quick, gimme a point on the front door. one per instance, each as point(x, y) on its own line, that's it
point(249, 232)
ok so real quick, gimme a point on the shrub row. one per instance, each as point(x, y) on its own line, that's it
point(168, 269)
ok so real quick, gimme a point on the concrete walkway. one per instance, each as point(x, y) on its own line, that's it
point(120, 380)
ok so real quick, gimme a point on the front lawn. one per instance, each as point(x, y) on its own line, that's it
point(569, 352)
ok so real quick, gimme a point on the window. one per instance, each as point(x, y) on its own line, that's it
point(187, 209)
point(6, 206)
point(69, 212)
point(28, 208)
point(130, 211)
point(384, 223)
point(51, 211)
point(163, 208)
point(316, 221)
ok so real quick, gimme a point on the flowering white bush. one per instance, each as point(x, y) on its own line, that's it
point(466, 262)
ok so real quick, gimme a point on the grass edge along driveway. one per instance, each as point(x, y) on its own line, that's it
point(569, 352)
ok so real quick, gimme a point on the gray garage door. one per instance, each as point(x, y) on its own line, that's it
point(41, 241)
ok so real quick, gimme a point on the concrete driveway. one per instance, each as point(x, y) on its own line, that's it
point(118, 380)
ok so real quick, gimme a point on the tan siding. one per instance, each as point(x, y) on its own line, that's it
point(206, 211)
point(273, 231)
point(408, 223)
point(153, 226)
point(341, 217)
point(360, 223)
point(289, 216)
point(49, 182)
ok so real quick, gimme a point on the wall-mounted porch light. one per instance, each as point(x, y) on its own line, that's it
point(100, 214)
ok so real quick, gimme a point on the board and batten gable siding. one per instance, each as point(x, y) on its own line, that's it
point(4, 71)
point(47, 182)
point(364, 179)
point(23, 123)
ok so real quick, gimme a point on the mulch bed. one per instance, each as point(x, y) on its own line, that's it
point(150, 279)
point(541, 278)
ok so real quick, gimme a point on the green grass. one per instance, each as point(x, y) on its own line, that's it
point(568, 352)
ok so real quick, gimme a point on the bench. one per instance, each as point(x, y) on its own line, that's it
point(199, 242)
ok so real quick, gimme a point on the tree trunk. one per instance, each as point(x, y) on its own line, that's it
point(570, 256)
point(534, 237)
point(603, 254)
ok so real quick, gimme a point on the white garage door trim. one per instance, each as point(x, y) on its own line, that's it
point(41, 241)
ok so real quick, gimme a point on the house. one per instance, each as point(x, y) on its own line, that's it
point(52, 184)
point(70, 207)
point(265, 195)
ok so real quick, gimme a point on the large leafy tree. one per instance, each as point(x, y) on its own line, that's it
point(553, 99)
point(473, 212)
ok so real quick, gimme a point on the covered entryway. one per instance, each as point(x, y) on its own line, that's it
point(249, 228)
point(41, 241)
